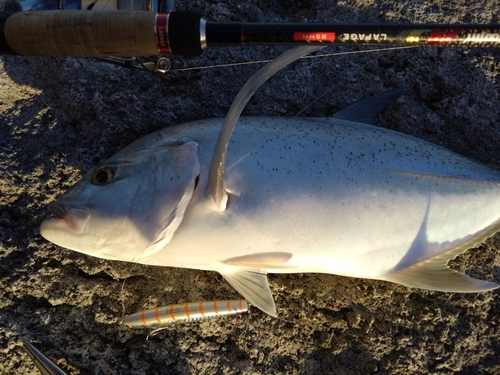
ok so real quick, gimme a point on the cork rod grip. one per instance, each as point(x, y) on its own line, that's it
point(81, 33)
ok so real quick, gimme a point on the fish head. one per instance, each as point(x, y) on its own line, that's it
point(127, 206)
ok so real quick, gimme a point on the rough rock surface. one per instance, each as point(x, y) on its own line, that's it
point(60, 116)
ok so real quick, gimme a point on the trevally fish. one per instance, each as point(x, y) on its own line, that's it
point(330, 195)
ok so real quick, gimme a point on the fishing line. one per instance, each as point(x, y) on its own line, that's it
point(135, 262)
point(216, 170)
point(304, 57)
point(122, 290)
point(320, 97)
point(106, 5)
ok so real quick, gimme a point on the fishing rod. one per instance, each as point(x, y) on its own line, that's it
point(130, 33)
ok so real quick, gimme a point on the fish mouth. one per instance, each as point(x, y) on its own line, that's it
point(76, 218)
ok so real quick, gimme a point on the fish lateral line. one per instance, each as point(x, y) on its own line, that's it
point(456, 178)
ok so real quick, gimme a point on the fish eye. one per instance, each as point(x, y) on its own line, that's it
point(102, 175)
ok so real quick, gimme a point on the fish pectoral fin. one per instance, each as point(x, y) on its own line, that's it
point(266, 260)
point(175, 183)
point(167, 228)
point(252, 285)
point(434, 274)
point(366, 110)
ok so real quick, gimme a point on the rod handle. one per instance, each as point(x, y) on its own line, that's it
point(87, 33)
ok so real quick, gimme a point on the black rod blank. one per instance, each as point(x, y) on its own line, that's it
point(234, 33)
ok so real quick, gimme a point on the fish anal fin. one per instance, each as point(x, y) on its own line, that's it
point(266, 260)
point(252, 285)
point(434, 274)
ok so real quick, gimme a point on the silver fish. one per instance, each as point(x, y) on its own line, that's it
point(329, 195)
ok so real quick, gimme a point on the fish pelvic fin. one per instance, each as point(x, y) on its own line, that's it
point(266, 260)
point(253, 285)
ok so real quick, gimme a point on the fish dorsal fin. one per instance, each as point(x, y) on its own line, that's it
point(215, 188)
point(434, 274)
point(180, 177)
point(267, 260)
point(366, 110)
point(253, 285)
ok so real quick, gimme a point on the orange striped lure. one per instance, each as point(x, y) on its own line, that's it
point(183, 313)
